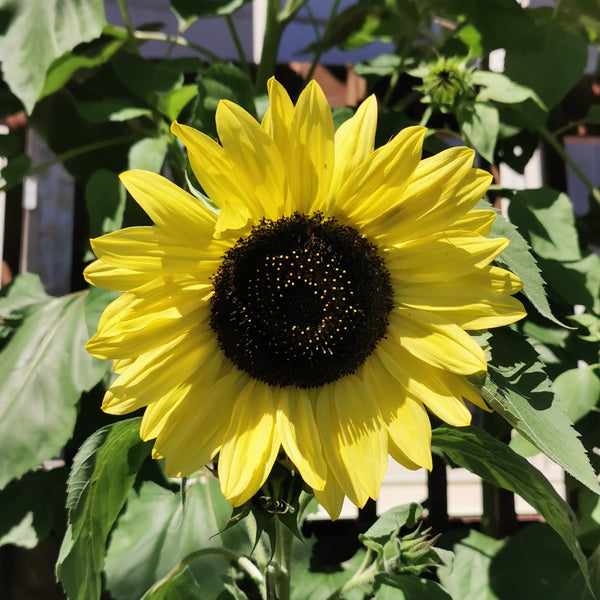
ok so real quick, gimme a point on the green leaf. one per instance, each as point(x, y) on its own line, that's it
point(518, 259)
point(545, 219)
point(148, 154)
point(484, 455)
point(221, 81)
point(28, 507)
point(144, 79)
point(172, 103)
point(105, 201)
point(313, 583)
point(410, 587)
point(44, 368)
point(555, 66)
point(24, 294)
point(64, 67)
point(190, 9)
point(500, 88)
point(518, 389)
point(389, 523)
point(493, 19)
point(103, 472)
point(181, 586)
point(484, 568)
point(40, 32)
point(142, 550)
point(480, 124)
point(578, 391)
point(111, 109)
point(469, 576)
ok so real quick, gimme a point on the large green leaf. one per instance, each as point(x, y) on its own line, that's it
point(144, 550)
point(518, 259)
point(519, 390)
point(44, 368)
point(545, 219)
point(38, 33)
point(555, 65)
point(493, 19)
point(469, 575)
point(484, 455)
point(103, 472)
point(64, 67)
point(484, 568)
point(28, 507)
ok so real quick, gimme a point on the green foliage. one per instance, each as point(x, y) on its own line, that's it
point(57, 26)
point(43, 372)
point(103, 472)
point(102, 108)
point(493, 461)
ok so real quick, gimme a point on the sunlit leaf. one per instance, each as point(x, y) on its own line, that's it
point(44, 368)
point(103, 472)
point(519, 390)
point(493, 461)
point(40, 32)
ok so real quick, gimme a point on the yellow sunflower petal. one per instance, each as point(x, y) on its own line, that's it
point(192, 435)
point(354, 140)
point(440, 393)
point(258, 164)
point(154, 372)
point(250, 445)
point(377, 184)
point(442, 257)
point(118, 279)
point(171, 208)
point(405, 418)
point(435, 182)
point(477, 301)
point(217, 177)
point(331, 497)
point(147, 249)
point(478, 221)
point(437, 341)
point(300, 437)
point(312, 168)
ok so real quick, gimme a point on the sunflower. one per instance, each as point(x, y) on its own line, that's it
point(320, 311)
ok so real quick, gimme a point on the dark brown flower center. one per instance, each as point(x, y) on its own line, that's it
point(300, 301)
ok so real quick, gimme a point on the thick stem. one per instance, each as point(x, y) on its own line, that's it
point(270, 49)
point(283, 560)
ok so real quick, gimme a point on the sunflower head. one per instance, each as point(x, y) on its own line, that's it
point(319, 313)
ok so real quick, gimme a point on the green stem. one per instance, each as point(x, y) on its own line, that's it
point(158, 36)
point(125, 16)
point(61, 158)
point(559, 149)
point(271, 40)
point(238, 44)
point(361, 577)
point(283, 560)
point(321, 44)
